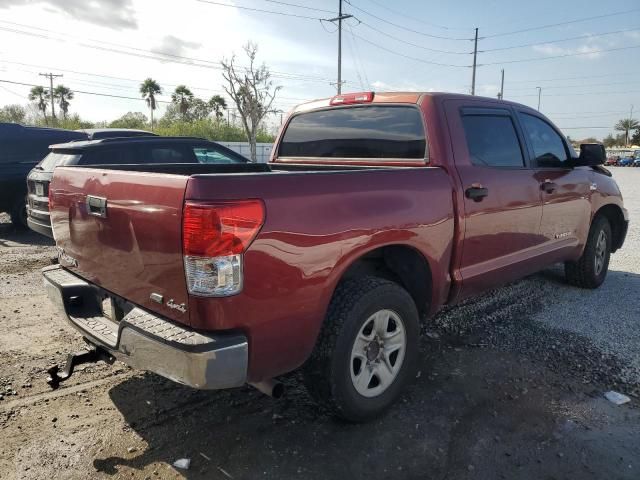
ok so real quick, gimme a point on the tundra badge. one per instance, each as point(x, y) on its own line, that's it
point(66, 260)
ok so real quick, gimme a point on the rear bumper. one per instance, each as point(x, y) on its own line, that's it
point(148, 342)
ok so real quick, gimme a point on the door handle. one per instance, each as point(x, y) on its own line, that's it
point(97, 206)
point(548, 186)
point(476, 193)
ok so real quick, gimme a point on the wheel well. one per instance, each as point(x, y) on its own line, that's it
point(400, 264)
point(613, 213)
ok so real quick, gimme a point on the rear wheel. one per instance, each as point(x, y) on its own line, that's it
point(591, 269)
point(367, 351)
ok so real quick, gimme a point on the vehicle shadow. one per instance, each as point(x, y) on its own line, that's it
point(472, 413)
point(11, 237)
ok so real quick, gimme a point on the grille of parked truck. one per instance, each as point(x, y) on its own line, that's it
point(376, 210)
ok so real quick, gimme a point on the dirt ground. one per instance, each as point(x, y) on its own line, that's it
point(501, 394)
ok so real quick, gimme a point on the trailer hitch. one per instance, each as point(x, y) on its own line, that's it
point(91, 355)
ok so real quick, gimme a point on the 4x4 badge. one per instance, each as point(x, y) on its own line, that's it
point(181, 307)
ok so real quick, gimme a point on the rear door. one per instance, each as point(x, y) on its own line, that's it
point(501, 202)
point(566, 206)
point(122, 231)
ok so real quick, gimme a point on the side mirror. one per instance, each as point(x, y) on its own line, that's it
point(591, 155)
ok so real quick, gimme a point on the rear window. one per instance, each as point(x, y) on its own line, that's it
point(492, 141)
point(371, 131)
point(54, 159)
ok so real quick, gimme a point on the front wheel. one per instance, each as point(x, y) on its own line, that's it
point(367, 351)
point(591, 268)
point(18, 214)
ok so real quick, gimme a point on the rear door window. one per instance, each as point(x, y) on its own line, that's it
point(372, 131)
point(492, 140)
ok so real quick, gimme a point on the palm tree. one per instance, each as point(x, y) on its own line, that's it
point(63, 95)
point(626, 125)
point(218, 105)
point(39, 95)
point(149, 89)
point(182, 97)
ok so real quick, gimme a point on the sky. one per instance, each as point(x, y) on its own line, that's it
point(585, 60)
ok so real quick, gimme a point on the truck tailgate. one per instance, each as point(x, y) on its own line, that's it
point(122, 231)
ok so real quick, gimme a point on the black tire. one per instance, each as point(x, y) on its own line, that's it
point(584, 273)
point(328, 375)
point(18, 214)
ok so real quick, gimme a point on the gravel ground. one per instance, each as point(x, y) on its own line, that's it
point(511, 386)
point(610, 315)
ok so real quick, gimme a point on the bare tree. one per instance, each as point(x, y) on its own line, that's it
point(252, 90)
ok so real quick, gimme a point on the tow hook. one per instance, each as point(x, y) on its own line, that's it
point(91, 355)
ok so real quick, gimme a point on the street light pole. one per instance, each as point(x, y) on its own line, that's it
point(475, 55)
point(501, 94)
point(539, 95)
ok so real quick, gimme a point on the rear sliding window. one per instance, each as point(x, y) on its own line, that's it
point(370, 131)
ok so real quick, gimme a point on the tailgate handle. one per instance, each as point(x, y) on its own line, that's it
point(97, 206)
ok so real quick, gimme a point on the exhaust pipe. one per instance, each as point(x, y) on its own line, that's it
point(270, 387)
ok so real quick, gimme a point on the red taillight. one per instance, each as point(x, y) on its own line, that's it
point(351, 98)
point(50, 195)
point(220, 229)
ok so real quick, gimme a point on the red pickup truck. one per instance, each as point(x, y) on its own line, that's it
point(374, 212)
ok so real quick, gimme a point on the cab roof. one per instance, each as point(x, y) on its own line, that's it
point(395, 97)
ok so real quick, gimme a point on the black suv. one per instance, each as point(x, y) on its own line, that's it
point(20, 149)
point(116, 151)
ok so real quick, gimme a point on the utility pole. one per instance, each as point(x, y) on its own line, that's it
point(339, 19)
point(51, 77)
point(539, 95)
point(475, 56)
point(501, 94)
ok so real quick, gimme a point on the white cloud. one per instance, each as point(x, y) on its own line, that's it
point(174, 46)
point(583, 51)
point(118, 14)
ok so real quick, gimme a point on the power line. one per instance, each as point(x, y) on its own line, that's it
point(578, 86)
point(400, 14)
point(581, 113)
point(122, 87)
point(451, 52)
point(402, 27)
point(582, 77)
point(577, 54)
point(580, 37)
point(84, 92)
point(568, 22)
point(300, 6)
point(578, 94)
point(260, 10)
point(428, 62)
point(148, 53)
point(358, 59)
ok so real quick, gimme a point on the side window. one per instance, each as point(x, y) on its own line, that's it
point(492, 140)
point(212, 155)
point(548, 147)
point(107, 156)
point(162, 154)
